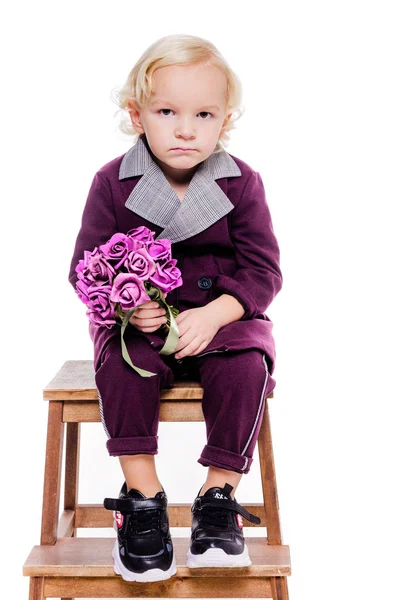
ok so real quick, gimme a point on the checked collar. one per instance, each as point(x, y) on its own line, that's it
point(154, 199)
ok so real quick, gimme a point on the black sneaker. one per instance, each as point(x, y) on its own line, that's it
point(217, 538)
point(143, 550)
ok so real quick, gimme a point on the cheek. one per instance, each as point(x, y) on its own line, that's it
point(150, 121)
point(215, 127)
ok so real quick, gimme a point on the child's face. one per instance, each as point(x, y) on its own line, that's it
point(186, 110)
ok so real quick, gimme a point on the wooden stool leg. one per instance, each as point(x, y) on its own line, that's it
point(72, 468)
point(268, 479)
point(53, 467)
point(279, 588)
point(36, 588)
point(279, 585)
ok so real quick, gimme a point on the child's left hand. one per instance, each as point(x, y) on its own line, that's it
point(197, 328)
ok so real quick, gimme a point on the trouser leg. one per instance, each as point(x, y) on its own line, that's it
point(130, 403)
point(235, 386)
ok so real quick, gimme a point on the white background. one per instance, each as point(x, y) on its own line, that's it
point(324, 98)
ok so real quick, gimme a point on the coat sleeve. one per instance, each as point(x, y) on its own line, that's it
point(98, 222)
point(258, 277)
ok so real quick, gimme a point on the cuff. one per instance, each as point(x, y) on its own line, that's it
point(132, 445)
point(228, 285)
point(224, 459)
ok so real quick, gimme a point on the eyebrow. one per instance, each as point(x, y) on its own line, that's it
point(168, 102)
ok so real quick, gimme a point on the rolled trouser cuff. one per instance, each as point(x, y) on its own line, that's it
point(133, 445)
point(225, 459)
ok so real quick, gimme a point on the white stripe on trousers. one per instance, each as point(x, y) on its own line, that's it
point(258, 412)
point(102, 414)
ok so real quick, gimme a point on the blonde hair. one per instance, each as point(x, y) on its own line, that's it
point(177, 49)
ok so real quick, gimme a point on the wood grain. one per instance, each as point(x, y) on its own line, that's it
point(175, 587)
point(92, 557)
point(53, 468)
point(75, 381)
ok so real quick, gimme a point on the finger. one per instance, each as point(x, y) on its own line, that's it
point(181, 316)
point(200, 349)
point(182, 353)
point(157, 321)
point(148, 320)
point(187, 349)
point(149, 315)
point(181, 344)
point(150, 305)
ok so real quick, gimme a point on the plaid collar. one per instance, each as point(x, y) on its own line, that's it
point(154, 199)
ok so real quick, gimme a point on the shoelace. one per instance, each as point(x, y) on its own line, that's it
point(214, 517)
point(145, 515)
point(143, 522)
point(216, 506)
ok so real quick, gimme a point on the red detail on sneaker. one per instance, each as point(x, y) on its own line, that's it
point(239, 520)
point(119, 519)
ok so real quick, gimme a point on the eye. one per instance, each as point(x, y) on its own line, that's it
point(169, 110)
point(203, 112)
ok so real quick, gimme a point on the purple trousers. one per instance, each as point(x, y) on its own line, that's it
point(235, 385)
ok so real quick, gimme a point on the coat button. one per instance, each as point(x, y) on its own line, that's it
point(204, 283)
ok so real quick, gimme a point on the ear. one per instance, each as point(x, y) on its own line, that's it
point(134, 113)
point(226, 119)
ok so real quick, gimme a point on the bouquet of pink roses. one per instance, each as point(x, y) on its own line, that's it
point(129, 270)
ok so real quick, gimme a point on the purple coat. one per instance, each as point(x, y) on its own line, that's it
point(221, 234)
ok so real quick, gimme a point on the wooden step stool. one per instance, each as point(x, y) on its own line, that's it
point(68, 567)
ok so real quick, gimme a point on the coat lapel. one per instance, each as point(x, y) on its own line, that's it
point(154, 199)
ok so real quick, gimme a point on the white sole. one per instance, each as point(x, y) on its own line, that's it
point(148, 576)
point(216, 557)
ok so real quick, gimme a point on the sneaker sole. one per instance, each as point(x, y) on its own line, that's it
point(148, 576)
point(217, 557)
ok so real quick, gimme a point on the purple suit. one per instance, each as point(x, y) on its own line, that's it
point(222, 237)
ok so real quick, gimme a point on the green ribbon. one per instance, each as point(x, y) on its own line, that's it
point(173, 334)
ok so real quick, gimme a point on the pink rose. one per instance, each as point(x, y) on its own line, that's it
point(167, 277)
point(95, 268)
point(82, 290)
point(143, 234)
point(117, 248)
point(101, 310)
point(128, 289)
point(140, 262)
point(81, 266)
point(160, 250)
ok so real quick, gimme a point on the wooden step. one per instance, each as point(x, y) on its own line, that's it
point(92, 557)
point(75, 382)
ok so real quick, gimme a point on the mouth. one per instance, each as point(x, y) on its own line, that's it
point(183, 149)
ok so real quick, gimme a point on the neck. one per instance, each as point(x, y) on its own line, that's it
point(178, 176)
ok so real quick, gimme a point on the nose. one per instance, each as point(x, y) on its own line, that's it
point(185, 129)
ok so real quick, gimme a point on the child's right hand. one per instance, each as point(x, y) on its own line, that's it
point(148, 317)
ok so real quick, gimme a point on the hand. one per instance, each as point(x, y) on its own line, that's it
point(148, 316)
point(197, 329)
